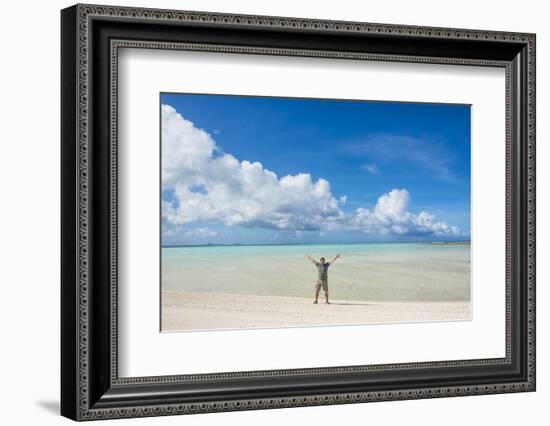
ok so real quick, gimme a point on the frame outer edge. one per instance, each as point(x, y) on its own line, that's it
point(81, 340)
point(69, 221)
point(531, 201)
point(82, 104)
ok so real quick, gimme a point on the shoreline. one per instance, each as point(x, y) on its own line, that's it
point(187, 311)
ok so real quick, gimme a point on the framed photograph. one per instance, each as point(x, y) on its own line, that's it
point(263, 212)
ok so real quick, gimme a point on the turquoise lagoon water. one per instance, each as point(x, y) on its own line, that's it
point(378, 272)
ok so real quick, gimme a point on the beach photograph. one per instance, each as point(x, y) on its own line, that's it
point(294, 212)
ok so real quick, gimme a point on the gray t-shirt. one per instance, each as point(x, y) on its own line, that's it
point(322, 270)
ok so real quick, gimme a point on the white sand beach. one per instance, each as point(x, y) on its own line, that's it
point(190, 310)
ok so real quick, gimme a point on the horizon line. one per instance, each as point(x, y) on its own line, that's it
point(435, 242)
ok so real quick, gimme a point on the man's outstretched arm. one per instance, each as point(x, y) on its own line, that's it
point(311, 259)
point(335, 258)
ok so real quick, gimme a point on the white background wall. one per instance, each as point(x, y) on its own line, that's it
point(29, 212)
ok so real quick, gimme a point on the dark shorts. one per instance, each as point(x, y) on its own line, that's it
point(322, 284)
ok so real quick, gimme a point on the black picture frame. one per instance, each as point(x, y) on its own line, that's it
point(90, 38)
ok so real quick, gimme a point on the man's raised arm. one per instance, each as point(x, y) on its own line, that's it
point(335, 258)
point(311, 259)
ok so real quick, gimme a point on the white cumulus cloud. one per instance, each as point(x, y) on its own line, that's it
point(391, 216)
point(209, 185)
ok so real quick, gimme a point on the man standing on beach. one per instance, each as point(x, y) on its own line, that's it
point(322, 276)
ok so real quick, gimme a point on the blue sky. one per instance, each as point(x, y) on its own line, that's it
point(362, 149)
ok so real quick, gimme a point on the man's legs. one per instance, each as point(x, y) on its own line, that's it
point(317, 291)
point(325, 289)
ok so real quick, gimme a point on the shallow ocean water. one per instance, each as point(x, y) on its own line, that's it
point(377, 272)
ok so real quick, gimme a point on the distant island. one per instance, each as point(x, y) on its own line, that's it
point(451, 243)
